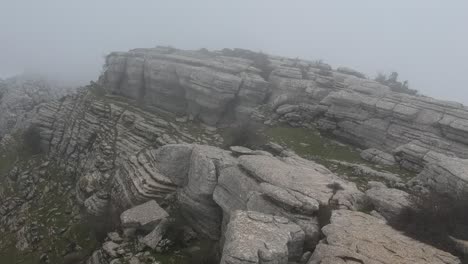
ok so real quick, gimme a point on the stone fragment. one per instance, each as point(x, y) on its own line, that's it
point(145, 216)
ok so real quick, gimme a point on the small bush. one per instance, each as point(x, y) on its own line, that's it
point(96, 89)
point(395, 85)
point(32, 140)
point(433, 219)
point(246, 135)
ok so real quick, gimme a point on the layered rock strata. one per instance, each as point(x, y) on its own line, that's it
point(343, 102)
point(355, 237)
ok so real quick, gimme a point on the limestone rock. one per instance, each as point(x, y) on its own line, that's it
point(145, 216)
point(389, 202)
point(253, 237)
point(360, 238)
point(196, 197)
point(291, 187)
point(447, 176)
point(184, 82)
point(152, 239)
point(350, 71)
point(377, 156)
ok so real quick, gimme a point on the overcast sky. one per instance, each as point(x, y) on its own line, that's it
point(426, 41)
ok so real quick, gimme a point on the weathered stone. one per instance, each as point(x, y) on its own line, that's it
point(360, 238)
point(447, 176)
point(253, 237)
point(145, 216)
point(153, 238)
point(292, 187)
point(195, 198)
point(378, 156)
point(389, 202)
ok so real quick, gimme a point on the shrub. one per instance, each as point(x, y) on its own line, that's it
point(247, 135)
point(96, 89)
point(32, 140)
point(395, 85)
point(433, 219)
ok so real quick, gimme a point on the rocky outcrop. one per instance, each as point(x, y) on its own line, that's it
point(212, 183)
point(447, 176)
point(20, 95)
point(378, 156)
point(126, 148)
point(290, 186)
point(144, 216)
point(389, 202)
point(253, 237)
point(210, 86)
point(360, 238)
point(200, 85)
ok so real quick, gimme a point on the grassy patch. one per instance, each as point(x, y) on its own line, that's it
point(310, 144)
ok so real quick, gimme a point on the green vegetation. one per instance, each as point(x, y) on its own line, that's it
point(310, 144)
point(436, 219)
point(392, 82)
point(49, 215)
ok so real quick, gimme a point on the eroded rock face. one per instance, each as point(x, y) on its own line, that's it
point(355, 237)
point(389, 202)
point(447, 176)
point(253, 237)
point(20, 95)
point(144, 216)
point(202, 86)
point(291, 187)
point(302, 93)
point(378, 156)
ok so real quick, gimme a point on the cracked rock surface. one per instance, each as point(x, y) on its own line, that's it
point(253, 237)
point(355, 237)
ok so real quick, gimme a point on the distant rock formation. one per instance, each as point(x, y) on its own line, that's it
point(343, 102)
point(125, 140)
point(19, 95)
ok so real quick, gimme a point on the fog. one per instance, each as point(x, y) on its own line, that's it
point(425, 41)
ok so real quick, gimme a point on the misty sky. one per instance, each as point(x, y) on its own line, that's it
point(426, 41)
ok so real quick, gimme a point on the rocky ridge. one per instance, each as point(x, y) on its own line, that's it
point(119, 150)
point(415, 129)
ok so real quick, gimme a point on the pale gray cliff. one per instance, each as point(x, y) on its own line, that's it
point(147, 135)
point(415, 129)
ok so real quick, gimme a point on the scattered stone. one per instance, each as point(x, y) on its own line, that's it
point(115, 237)
point(152, 239)
point(111, 248)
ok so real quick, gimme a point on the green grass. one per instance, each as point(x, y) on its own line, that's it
point(310, 144)
point(47, 210)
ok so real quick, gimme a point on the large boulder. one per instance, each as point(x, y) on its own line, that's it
point(447, 176)
point(145, 216)
point(291, 187)
point(389, 202)
point(196, 196)
point(253, 237)
point(355, 237)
